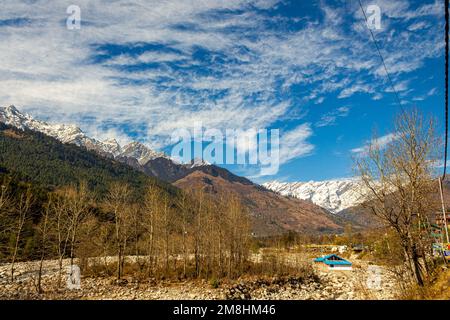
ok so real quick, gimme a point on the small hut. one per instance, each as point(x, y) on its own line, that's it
point(334, 262)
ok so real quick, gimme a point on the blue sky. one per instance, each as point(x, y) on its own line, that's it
point(138, 70)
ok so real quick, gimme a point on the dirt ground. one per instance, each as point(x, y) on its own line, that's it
point(365, 281)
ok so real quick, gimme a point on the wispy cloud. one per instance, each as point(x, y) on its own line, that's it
point(349, 91)
point(144, 68)
point(294, 143)
point(429, 93)
point(331, 117)
point(380, 143)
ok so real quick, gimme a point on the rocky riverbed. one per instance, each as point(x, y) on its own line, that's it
point(323, 285)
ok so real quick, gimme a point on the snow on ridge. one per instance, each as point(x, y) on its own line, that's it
point(334, 195)
point(141, 152)
point(74, 135)
point(198, 162)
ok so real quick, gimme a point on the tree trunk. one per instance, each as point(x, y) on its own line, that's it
point(39, 287)
point(119, 264)
point(14, 256)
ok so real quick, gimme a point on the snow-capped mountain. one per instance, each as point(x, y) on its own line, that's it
point(74, 135)
point(196, 162)
point(65, 133)
point(140, 152)
point(112, 146)
point(333, 195)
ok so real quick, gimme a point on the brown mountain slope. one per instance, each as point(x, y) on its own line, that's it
point(360, 218)
point(271, 213)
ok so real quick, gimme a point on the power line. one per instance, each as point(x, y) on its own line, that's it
point(381, 56)
point(446, 86)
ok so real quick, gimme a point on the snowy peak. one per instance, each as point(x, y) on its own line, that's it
point(10, 115)
point(65, 133)
point(112, 146)
point(11, 112)
point(11, 109)
point(74, 135)
point(333, 195)
point(197, 162)
point(140, 152)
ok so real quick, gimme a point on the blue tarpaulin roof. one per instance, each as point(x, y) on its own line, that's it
point(327, 260)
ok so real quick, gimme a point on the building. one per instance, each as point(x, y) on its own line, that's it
point(333, 262)
point(339, 249)
point(357, 248)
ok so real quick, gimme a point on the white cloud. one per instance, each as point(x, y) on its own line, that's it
point(380, 143)
point(294, 144)
point(418, 26)
point(430, 93)
point(48, 70)
point(347, 92)
point(331, 117)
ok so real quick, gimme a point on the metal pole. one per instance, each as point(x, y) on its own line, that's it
point(443, 208)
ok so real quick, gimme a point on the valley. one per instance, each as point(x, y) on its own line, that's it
point(271, 213)
point(143, 226)
point(319, 285)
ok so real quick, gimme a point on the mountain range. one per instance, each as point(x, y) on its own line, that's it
point(274, 207)
point(74, 135)
point(333, 195)
point(135, 154)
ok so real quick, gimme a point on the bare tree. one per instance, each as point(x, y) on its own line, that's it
point(5, 207)
point(44, 243)
point(5, 199)
point(70, 207)
point(117, 201)
point(20, 213)
point(59, 208)
point(103, 241)
point(238, 232)
point(166, 224)
point(80, 208)
point(399, 183)
point(198, 230)
point(150, 213)
point(184, 211)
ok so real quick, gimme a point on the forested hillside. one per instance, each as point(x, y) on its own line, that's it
point(35, 157)
point(34, 165)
